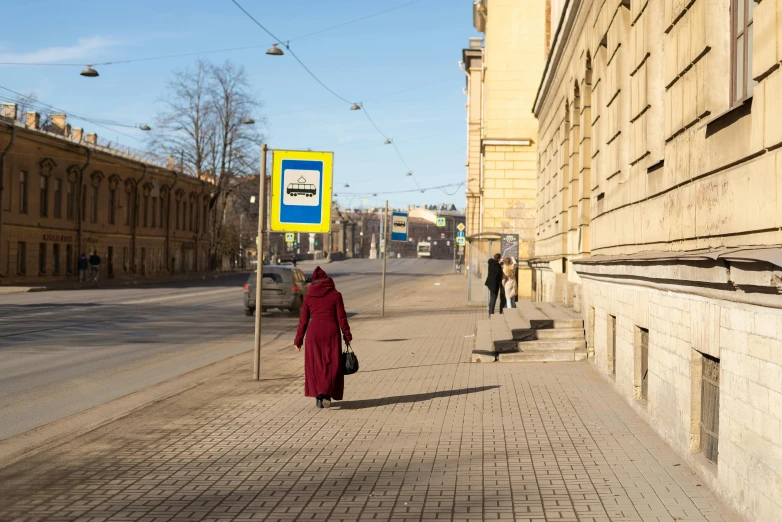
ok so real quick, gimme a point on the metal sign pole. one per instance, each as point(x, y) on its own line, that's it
point(259, 266)
point(385, 257)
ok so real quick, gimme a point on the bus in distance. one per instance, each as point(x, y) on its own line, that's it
point(424, 249)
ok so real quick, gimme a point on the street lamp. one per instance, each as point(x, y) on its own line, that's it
point(409, 172)
point(354, 107)
point(274, 50)
point(145, 127)
point(387, 142)
point(248, 121)
point(89, 72)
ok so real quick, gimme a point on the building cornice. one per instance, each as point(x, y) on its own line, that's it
point(561, 38)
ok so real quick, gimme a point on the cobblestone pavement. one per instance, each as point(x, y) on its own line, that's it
point(422, 435)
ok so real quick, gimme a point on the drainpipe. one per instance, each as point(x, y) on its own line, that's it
point(168, 223)
point(134, 223)
point(79, 208)
point(2, 183)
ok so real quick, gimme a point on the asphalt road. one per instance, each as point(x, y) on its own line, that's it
point(63, 352)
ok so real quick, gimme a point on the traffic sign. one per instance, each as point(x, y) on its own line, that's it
point(442, 235)
point(399, 226)
point(441, 222)
point(460, 233)
point(460, 241)
point(460, 227)
point(301, 191)
point(289, 237)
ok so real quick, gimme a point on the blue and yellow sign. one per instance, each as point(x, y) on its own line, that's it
point(301, 191)
point(441, 222)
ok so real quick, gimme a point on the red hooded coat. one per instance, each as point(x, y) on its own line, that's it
point(322, 317)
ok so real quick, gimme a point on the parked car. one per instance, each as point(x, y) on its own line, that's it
point(284, 287)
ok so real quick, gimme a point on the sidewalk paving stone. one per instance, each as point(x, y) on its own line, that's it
point(423, 434)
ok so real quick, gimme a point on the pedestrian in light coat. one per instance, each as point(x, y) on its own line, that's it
point(494, 282)
point(322, 318)
point(509, 281)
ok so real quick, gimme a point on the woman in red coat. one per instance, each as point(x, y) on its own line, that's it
point(322, 317)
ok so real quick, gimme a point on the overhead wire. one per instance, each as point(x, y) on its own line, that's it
point(36, 103)
point(367, 194)
point(214, 51)
point(327, 88)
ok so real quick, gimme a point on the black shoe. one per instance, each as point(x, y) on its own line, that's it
point(318, 402)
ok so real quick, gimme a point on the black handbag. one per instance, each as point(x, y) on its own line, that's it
point(349, 361)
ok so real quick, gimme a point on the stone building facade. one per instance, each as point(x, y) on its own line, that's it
point(63, 195)
point(503, 70)
point(660, 218)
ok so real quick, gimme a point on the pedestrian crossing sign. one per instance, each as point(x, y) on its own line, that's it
point(460, 240)
point(289, 237)
point(441, 222)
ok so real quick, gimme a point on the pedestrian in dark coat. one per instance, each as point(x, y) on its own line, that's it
point(322, 317)
point(494, 282)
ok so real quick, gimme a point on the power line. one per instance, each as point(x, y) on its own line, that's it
point(38, 103)
point(214, 51)
point(368, 194)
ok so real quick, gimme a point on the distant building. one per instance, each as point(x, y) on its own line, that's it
point(503, 70)
point(64, 194)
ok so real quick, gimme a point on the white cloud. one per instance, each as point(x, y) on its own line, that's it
point(83, 50)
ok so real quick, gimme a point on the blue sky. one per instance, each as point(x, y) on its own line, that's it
point(417, 46)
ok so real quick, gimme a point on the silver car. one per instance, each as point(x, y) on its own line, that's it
point(284, 287)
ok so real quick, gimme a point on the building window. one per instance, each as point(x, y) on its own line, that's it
point(69, 199)
point(611, 342)
point(192, 215)
point(128, 203)
point(23, 192)
point(741, 52)
point(83, 202)
point(94, 210)
point(124, 259)
point(56, 258)
point(42, 259)
point(44, 207)
point(178, 205)
point(641, 374)
point(154, 212)
point(68, 259)
point(146, 211)
point(21, 258)
point(112, 205)
point(163, 213)
point(184, 215)
point(57, 198)
point(206, 215)
point(710, 407)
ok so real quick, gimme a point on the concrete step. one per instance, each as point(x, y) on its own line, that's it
point(574, 334)
point(552, 344)
point(543, 356)
point(484, 347)
point(501, 335)
point(519, 326)
point(540, 324)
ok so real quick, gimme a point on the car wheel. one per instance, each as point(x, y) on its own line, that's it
point(249, 311)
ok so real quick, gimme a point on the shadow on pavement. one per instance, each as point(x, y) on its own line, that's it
point(406, 399)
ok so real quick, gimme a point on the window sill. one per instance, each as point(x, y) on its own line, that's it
point(728, 117)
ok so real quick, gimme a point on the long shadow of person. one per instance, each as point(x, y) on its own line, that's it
point(403, 399)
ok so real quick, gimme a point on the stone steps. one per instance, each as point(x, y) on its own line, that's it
point(552, 344)
point(534, 332)
point(544, 356)
point(559, 333)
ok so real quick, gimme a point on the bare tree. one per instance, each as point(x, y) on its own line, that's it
point(186, 124)
point(204, 118)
